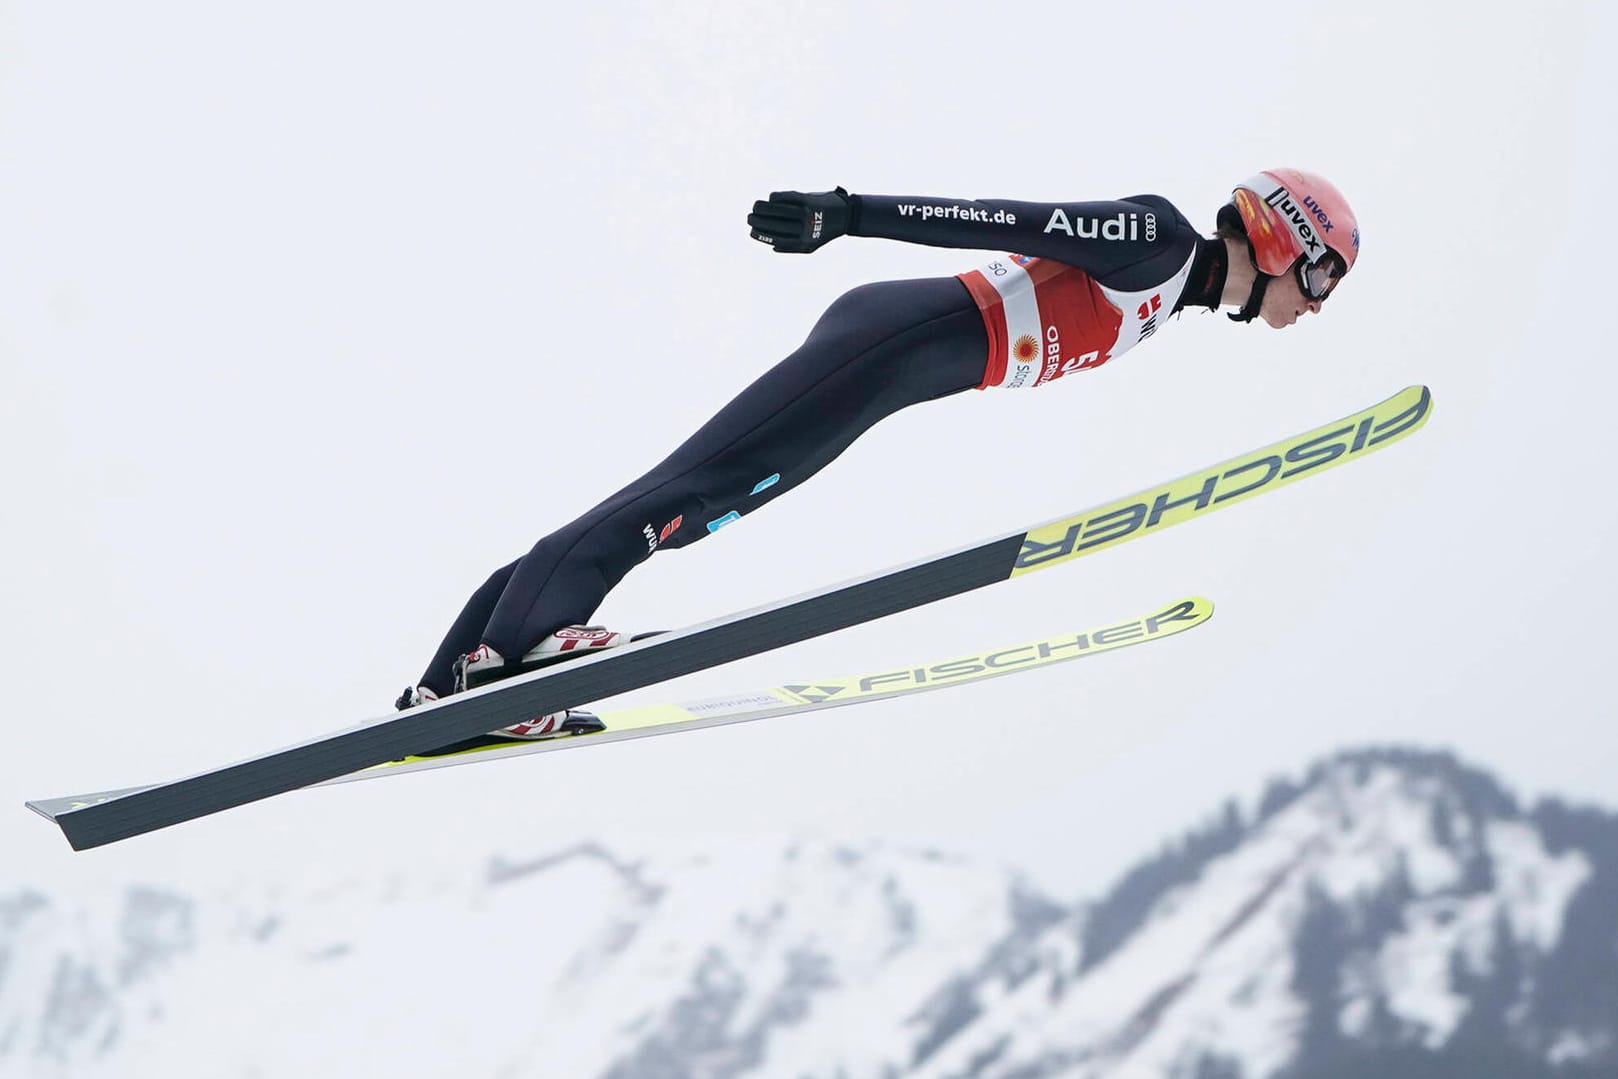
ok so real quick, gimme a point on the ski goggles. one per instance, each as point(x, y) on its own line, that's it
point(1318, 278)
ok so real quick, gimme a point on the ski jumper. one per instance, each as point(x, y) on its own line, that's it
point(1092, 280)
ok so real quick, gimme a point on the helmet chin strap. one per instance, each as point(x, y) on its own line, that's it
point(1255, 299)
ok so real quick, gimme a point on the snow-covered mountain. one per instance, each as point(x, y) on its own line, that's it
point(1393, 914)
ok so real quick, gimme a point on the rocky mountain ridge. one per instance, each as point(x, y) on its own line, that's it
point(1391, 912)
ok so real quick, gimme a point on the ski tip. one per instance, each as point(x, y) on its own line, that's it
point(1411, 408)
point(1418, 398)
point(1180, 615)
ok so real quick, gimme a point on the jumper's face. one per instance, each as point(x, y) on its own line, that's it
point(1284, 302)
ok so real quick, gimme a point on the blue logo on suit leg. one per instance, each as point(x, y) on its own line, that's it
point(714, 526)
point(771, 482)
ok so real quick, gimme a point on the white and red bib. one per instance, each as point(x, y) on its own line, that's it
point(1046, 319)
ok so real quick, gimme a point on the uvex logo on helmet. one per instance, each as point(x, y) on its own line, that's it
point(1294, 217)
point(1290, 214)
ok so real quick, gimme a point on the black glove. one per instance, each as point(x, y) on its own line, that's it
point(792, 221)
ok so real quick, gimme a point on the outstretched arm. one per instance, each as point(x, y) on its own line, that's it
point(1097, 237)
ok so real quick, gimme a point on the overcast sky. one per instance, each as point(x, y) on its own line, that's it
point(312, 315)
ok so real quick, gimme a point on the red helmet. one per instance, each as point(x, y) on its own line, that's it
point(1289, 214)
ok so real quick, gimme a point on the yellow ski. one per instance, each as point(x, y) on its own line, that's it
point(825, 693)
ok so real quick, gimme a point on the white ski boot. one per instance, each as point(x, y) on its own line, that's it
point(569, 721)
point(484, 665)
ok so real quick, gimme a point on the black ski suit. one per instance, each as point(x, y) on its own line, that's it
point(1092, 280)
